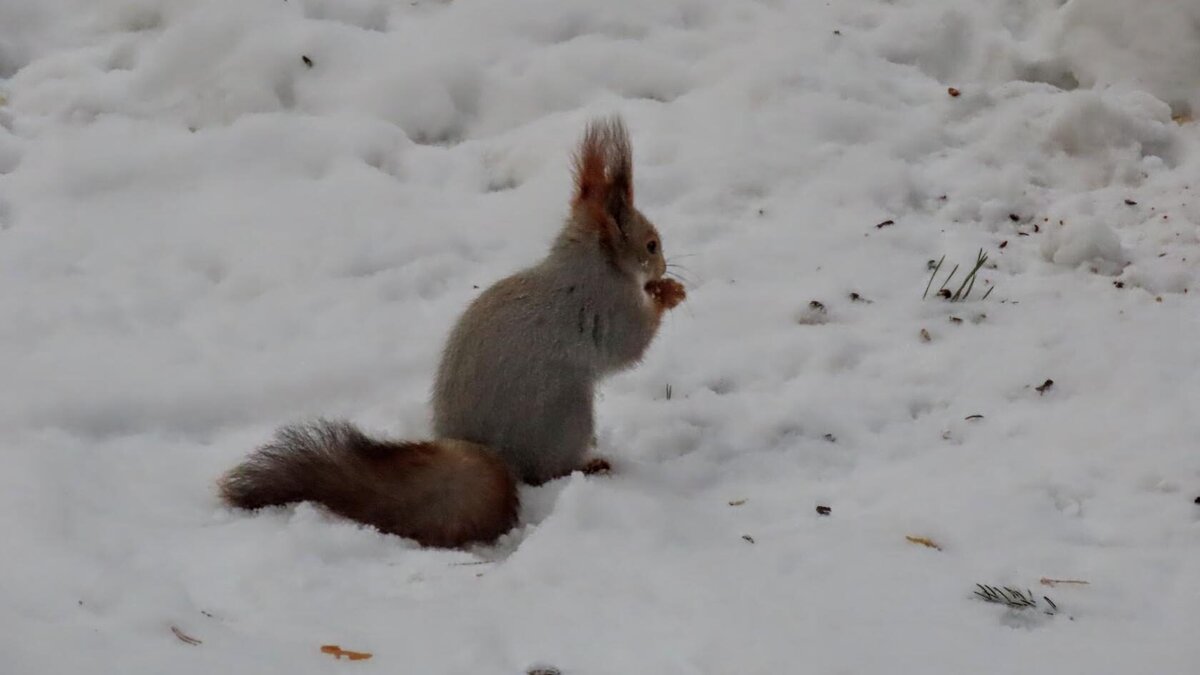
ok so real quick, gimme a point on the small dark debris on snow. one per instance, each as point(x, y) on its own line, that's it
point(886, 223)
point(953, 92)
point(207, 614)
point(813, 315)
point(543, 670)
point(1036, 228)
point(748, 538)
point(184, 637)
point(830, 437)
point(971, 418)
point(1119, 284)
point(1045, 386)
point(837, 32)
point(737, 502)
point(307, 61)
point(1014, 598)
point(855, 297)
point(1197, 501)
point(1024, 234)
point(1004, 243)
point(945, 293)
point(925, 336)
point(955, 319)
point(1014, 217)
point(824, 510)
point(1130, 202)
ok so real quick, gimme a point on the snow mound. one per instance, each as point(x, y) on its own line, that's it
point(1152, 46)
point(1090, 241)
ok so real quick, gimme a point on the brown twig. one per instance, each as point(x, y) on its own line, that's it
point(1054, 582)
point(184, 637)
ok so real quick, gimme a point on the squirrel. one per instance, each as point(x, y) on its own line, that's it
point(514, 392)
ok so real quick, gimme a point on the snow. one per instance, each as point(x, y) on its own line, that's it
point(203, 237)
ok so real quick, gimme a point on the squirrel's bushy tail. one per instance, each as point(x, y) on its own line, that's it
point(443, 493)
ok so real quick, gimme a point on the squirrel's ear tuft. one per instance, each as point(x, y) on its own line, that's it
point(604, 172)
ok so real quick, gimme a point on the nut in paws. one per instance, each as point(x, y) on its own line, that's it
point(667, 293)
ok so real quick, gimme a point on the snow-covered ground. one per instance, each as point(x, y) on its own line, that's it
point(218, 216)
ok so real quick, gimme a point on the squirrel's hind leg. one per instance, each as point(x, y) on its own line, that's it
point(591, 467)
point(596, 465)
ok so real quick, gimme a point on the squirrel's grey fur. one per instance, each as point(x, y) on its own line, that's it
point(520, 368)
point(514, 391)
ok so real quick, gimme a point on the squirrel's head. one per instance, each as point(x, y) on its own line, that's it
point(602, 210)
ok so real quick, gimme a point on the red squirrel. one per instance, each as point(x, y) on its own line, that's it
point(514, 394)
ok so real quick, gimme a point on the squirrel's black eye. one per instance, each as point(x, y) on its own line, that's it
point(652, 246)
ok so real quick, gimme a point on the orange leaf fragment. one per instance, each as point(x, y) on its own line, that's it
point(924, 541)
point(337, 653)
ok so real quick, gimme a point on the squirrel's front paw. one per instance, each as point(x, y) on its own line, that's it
point(666, 292)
